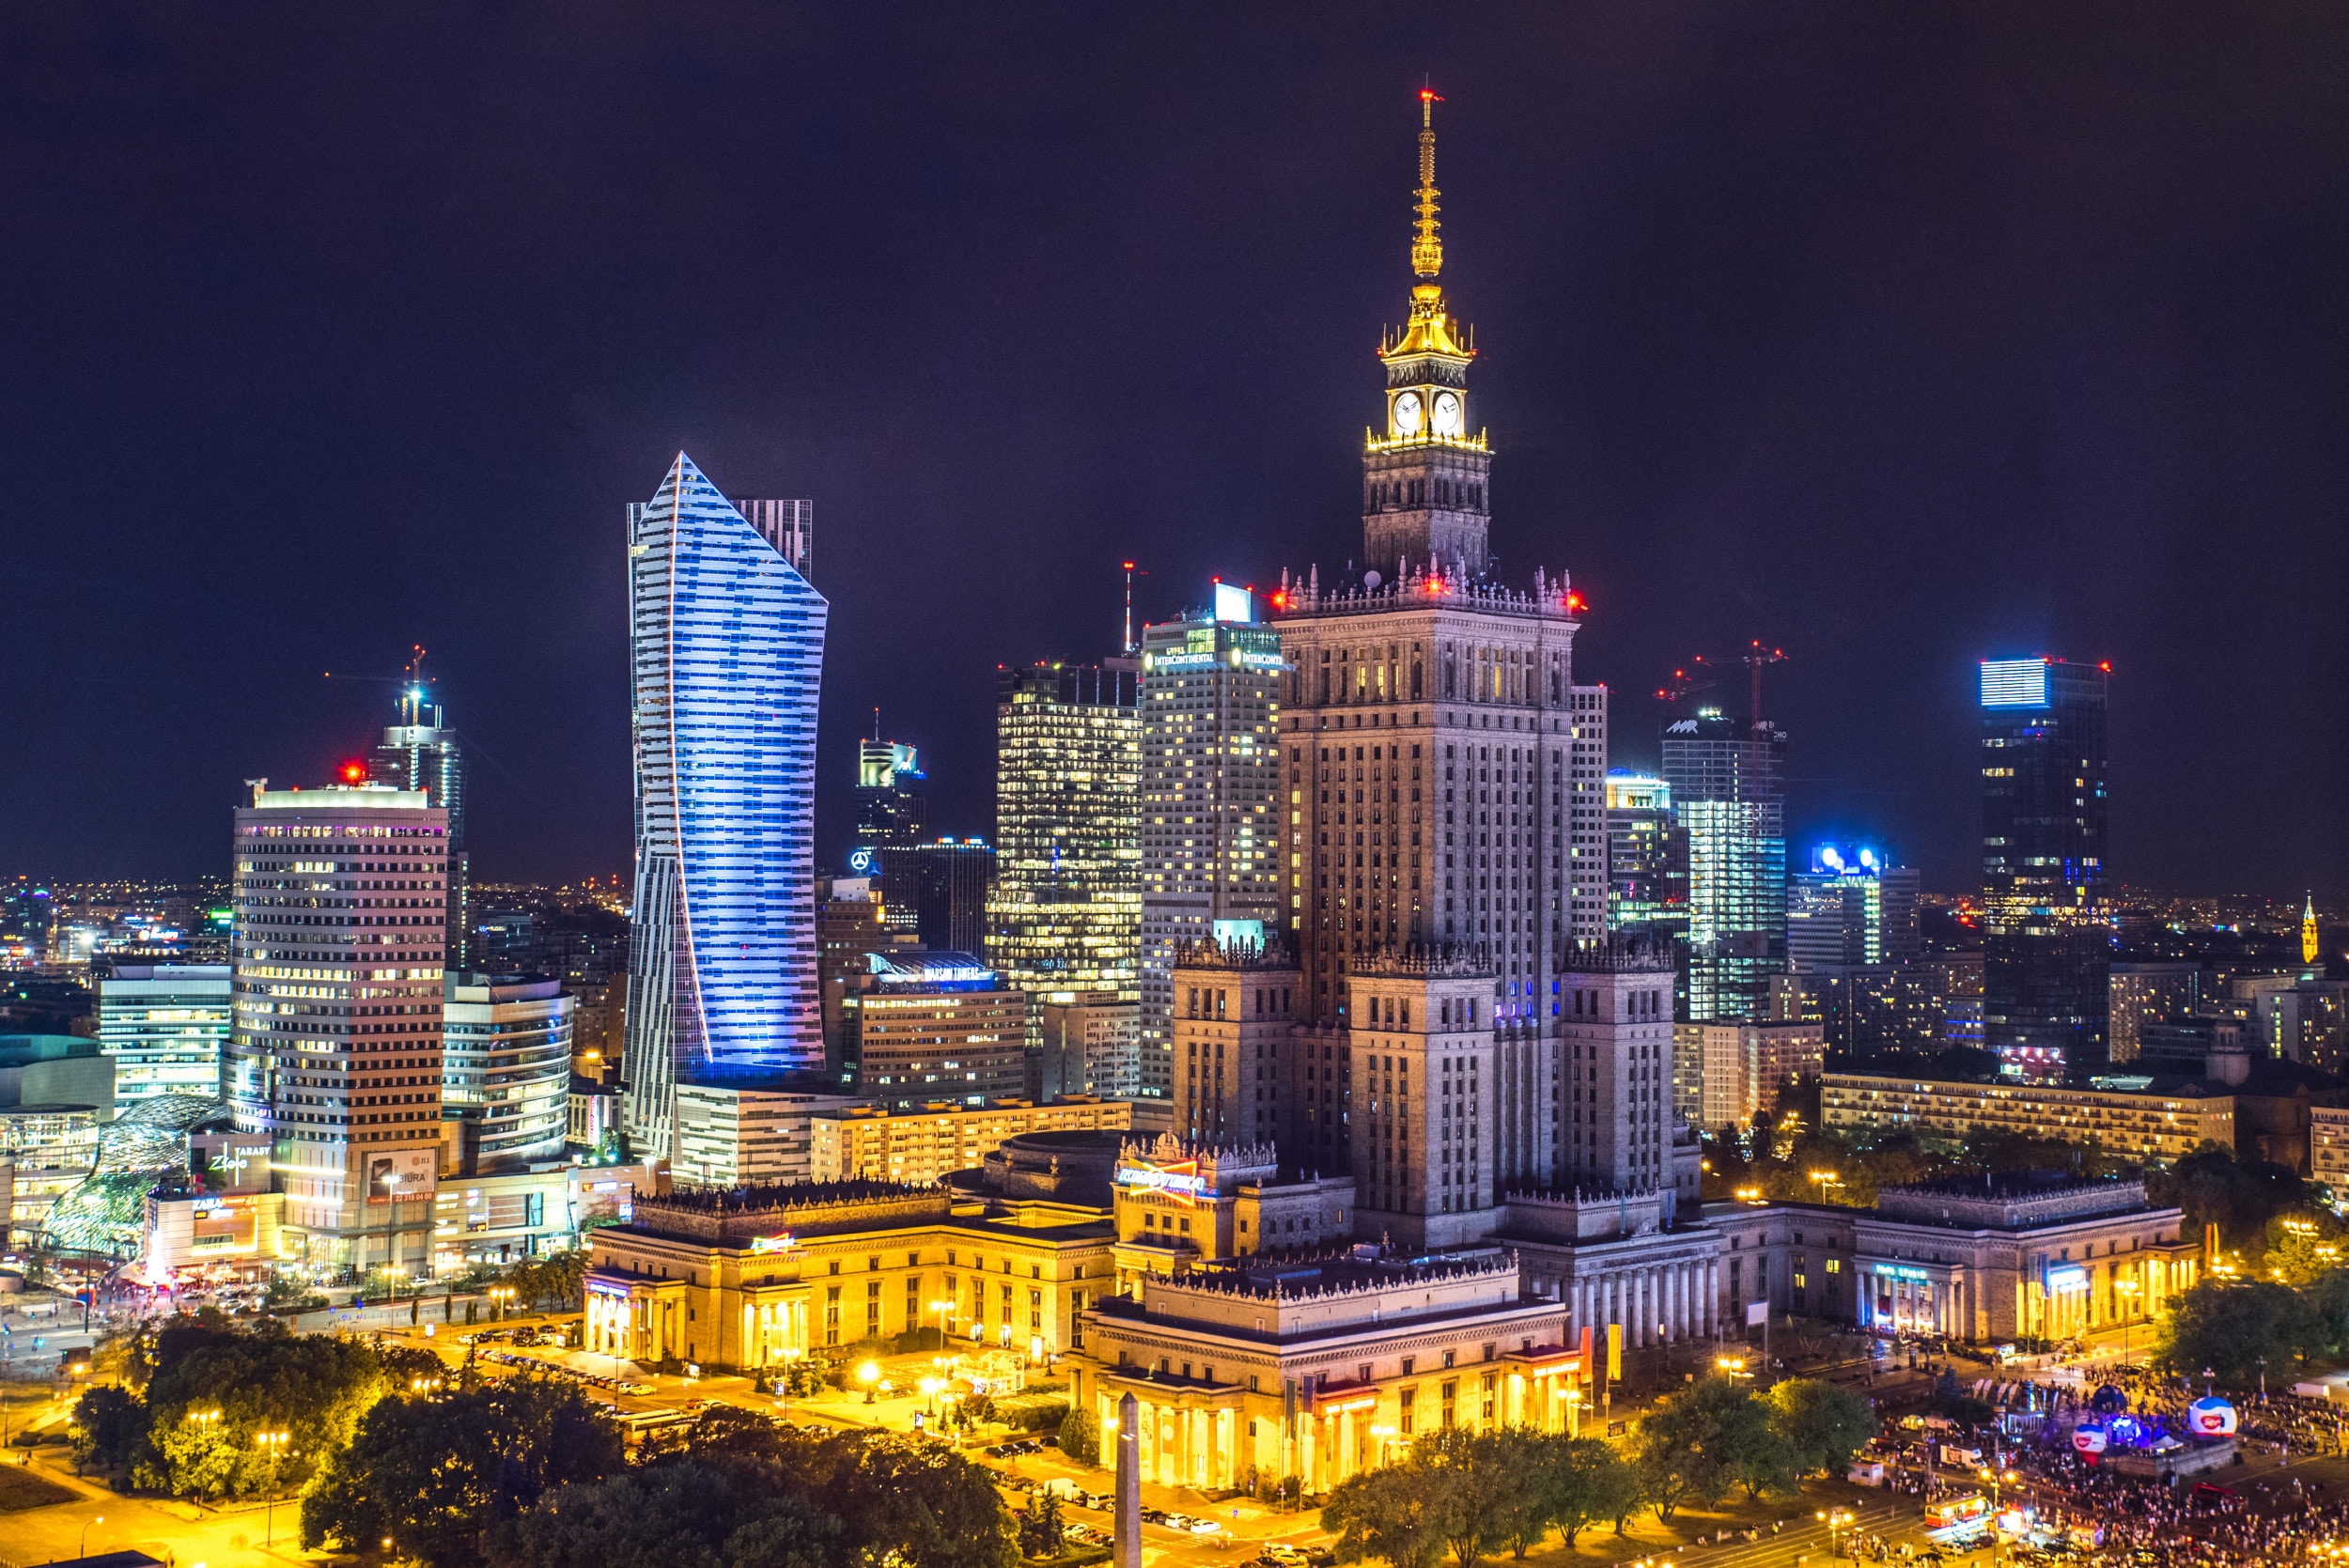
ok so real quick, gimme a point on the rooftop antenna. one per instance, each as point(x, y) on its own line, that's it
point(877, 722)
point(1130, 574)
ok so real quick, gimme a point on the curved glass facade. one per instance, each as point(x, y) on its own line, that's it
point(728, 642)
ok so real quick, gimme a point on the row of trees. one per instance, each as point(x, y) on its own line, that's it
point(1471, 1494)
point(205, 1400)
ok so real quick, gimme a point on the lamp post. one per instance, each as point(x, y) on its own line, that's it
point(1731, 1367)
point(868, 1375)
point(499, 1297)
point(1574, 1410)
point(1836, 1519)
point(273, 1444)
point(1998, 1542)
point(83, 1551)
point(2128, 1290)
point(1825, 1179)
point(391, 1233)
point(944, 1309)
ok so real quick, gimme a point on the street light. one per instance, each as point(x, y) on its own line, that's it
point(2130, 1290)
point(868, 1375)
point(1825, 1180)
point(273, 1444)
point(1732, 1367)
point(1997, 1543)
point(943, 1308)
point(84, 1549)
point(1835, 1519)
point(499, 1297)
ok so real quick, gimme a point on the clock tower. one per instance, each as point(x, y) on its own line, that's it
point(1426, 497)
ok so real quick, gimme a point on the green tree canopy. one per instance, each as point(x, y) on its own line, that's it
point(1821, 1423)
point(2230, 1325)
point(1683, 1448)
point(1385, 1513)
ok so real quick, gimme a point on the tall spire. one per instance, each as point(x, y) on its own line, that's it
point(1426, 250)
point(2311, 942)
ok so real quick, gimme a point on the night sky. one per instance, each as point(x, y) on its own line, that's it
point(1892, 335)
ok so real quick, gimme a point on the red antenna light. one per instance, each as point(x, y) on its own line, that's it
point(354, 772)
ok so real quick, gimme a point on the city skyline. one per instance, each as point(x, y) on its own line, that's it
point(1619, 337)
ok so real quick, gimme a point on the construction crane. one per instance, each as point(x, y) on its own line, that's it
point(413, 682)
point(1705, 677)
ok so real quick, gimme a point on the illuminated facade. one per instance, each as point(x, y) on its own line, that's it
point(415, 755)
point(2137, 995)
point(1647, 857)
point(1210, 838)
point(506, 1046)
point(2046, 940)
point(1727, 779)
point(1851, 909)
point(756, 1277)
point(728, 642)
point(934, 1025)
point(2159, 1128)
point(164, 1026)
point(892, 805)
point(930, 1142)
point(334, 1048)
point(1065, 915)
point(1443, 778)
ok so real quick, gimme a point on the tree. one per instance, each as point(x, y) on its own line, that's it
point(1680, 1449)
point(1821, 1423)
point(109, 1427)
point(2240, 1199)
point(1040, 1527)
point(2230, 1326)
point(1081, 1436)
point(1384, 1514)
point(1467, 1481)
point(433, 1474)
point(1523, 1462)
point(211, 1386)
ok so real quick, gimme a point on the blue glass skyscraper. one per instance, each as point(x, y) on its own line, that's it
point(728, 646)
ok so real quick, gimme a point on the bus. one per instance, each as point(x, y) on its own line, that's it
point(1961, 1513)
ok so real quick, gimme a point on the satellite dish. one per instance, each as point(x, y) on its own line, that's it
point(1371, 580)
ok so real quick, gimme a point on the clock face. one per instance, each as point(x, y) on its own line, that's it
point(1406, 414)
point(1447, 413)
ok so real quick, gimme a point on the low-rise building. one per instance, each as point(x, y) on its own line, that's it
point(2155, 1120)
point(196, 1235)
point(1316, 1363)
point(745, 1134)
point(759, 1275)
point(1179, 1205)
point(2016, 1253)
point(497, 1218)
point(927, 1143)
point(1750, 1067)
point(2328, 1148)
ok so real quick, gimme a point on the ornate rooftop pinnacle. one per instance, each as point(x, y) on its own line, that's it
point(1426, 250)
point(1430, 330)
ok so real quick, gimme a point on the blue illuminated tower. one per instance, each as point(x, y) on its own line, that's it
point(728, 646)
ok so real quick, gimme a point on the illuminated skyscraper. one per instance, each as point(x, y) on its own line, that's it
point(1647, 857)
point(340, 900)
point(1067, 910)
point(416, 754)
point(1210, 840)
point(2046, 940)
point(1851, 907)
point(891, 804)
point(1727, 779)
point(728, 646)
point(164, 1026)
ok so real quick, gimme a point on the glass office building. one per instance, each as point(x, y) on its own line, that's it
point(2047, 937)
point(727, 650)
point(1727, 779)
point(165, 1025)
point(1065, 916)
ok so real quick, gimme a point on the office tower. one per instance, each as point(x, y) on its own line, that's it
point(1086, 1043)
point(848, 927)
point(1234, 1005)
point(935, 1027)
point(1851, 907)
point(1647, 857)
point(1617, 1100)
point(2140, 994)
point(728, 644)
point(28, 923)
point(1066, 912)
point(164, 1026)
point(333, 1048)
point(789, 526)
point(1210, 843)
point(892, 803)
point(1727, 779)
point(1444, 776)
point(939, 891)
point(1750, 1067)
point(2046, 941)
point(415, 755)
point(506, 1069)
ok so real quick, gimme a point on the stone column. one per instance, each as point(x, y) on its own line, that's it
point(1126, 1550)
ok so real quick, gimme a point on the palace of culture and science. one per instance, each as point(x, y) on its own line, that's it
point(1438, 1012)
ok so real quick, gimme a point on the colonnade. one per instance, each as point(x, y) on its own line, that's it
point(1656, 1302)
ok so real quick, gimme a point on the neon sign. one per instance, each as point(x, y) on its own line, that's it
point(1180, 1181)
point(773, 1243)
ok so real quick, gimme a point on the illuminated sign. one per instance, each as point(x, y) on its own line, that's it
point(1367, 1402)
point(773, 1243)
point(2074, 1278)
point(1234, 604)
point(2013, 683)
point(863, 860)
point(1180, 1181)
point(1902, 1271)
